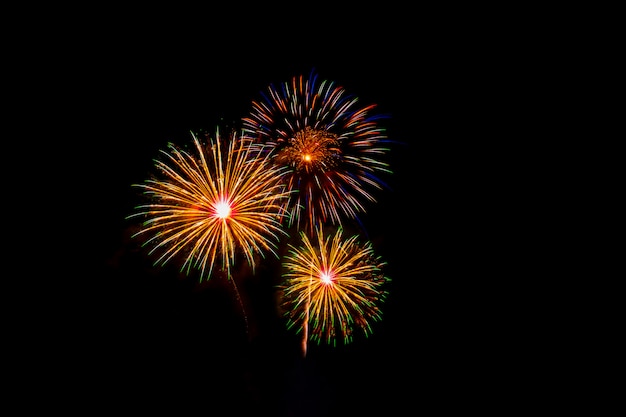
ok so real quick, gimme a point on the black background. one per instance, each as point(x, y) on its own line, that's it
point(135, 337)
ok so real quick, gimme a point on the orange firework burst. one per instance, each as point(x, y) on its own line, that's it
point(332, 146)
point(210, 206)
point(332, 286)
point(310, 151)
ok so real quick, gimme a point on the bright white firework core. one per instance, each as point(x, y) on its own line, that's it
point(326, 278)
point(222, 209)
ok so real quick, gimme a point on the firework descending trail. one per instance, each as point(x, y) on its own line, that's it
point(333, 147)
point(209, 206)
point(331, 287)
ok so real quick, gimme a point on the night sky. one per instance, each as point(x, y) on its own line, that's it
point(149, 337)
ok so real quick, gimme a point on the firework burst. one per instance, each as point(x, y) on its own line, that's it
point(331, 144)
point(332, 287)
point(209, 206)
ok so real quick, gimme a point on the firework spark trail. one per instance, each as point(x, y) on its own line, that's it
point(211, 206)
point(333, 148)
point(332, 286)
